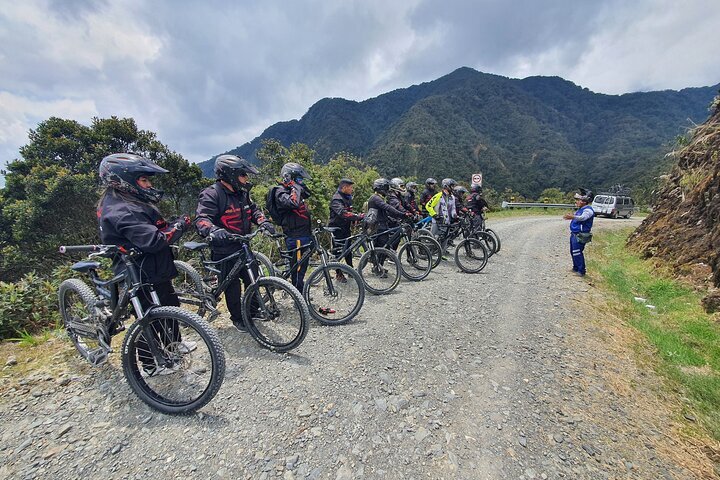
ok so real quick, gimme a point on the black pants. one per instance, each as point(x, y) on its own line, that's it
point(233, 293)
point(341, 243)
point(165, 331)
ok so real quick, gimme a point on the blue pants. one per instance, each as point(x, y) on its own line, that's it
point(576, 250)
point(297, 272)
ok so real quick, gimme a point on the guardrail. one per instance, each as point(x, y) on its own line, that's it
point(536, 205)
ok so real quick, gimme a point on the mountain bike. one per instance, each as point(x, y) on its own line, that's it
point(335, 292)
point(416, 259)
point(171, 358)
point(378, 267)
point(471, 254)
point(274, 312)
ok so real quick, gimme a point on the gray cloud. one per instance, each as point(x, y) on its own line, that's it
point(207, 76)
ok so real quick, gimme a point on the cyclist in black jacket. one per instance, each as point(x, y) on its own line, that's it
point(342, 217)
point(410, 200)
point(226, 208)
point(295, 217)
point(385, 211)
point(127, 216)
point(395, 199)
point(427, 194)
point(476, 204)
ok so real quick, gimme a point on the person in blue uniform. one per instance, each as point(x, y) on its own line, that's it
point(581, 223)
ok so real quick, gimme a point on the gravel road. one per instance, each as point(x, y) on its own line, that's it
point(503, 374)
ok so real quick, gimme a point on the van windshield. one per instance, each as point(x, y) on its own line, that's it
point(600, 199)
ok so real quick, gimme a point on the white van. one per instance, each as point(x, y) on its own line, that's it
point(613, 205)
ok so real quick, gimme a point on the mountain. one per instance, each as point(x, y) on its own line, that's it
point(525, 134)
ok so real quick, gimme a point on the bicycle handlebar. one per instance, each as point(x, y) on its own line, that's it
point(84, 248)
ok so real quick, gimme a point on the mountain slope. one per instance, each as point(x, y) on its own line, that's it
point(524, 134)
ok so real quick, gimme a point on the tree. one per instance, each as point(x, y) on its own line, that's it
point(50, 192)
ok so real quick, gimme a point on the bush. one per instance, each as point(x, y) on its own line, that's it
point(29, 304)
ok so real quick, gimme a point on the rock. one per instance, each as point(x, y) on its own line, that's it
point(11, 361)
point(36, 392)
point(558, 437)
point(398, 403)
point(589, 449)
point(63, 381)
point(116, 449)
point(64, 429)
point(530, 473)
point(288, 475)
point(421, 434)
point(690, 417)
point(522, 441)
point(304, 411)
point(344, 473)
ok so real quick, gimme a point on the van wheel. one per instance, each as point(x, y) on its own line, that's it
point(629, 214)
point(614, 215)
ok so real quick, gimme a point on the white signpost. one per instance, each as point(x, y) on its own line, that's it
point(477, 178)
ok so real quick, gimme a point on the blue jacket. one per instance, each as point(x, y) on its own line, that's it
point(583, 220)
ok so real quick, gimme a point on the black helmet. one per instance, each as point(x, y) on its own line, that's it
point(448, 183)
point(122, 170)
point(583, 195)
point(397, 185)
point(229, 167)
point(476, 188)
point(381, 185)
point(430, 182)
point(460, 191)
point(411, 187)
point(294, 172)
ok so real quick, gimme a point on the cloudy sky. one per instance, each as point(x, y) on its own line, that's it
point(210, 75)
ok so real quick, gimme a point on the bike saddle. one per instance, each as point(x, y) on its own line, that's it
point(195, 245)
point(85, 266)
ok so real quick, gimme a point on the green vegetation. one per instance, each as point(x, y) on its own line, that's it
point(686, 339)
point(524, 135)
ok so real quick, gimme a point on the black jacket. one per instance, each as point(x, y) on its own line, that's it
point(341, 213)
point(385, 211)
point(131, 223)
point(295, 216)
point(425, 197)
point(218, 207)
point(410, 203)
point(476, 203)
point(396, 202)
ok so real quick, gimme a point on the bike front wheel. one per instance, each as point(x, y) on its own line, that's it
point(380, 270)
point(276, 314)
point(471, 256)
point(334, 293)
point(416, 260)
point(173, 360)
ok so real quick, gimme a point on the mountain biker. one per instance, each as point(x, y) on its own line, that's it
point(127, 216)
point(225, 208)
point(427, 194)
point(460, 193)
point(410, 200)
point(342, 217)
point(581, 223)
point(385, 211)
point(442, 208)
point(394, 199)
point(295, 217)
point(476, 204)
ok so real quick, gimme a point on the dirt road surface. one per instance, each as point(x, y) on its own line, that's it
point(504, 374)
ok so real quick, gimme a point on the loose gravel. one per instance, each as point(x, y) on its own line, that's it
point(493, 375)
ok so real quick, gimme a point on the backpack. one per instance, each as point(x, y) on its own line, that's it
point(271, 206)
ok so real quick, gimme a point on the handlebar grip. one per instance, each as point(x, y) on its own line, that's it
point(79, 248)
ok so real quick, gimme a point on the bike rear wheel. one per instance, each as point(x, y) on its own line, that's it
point(332, 301)
point(189, 288)
point(488, 240)
point(276, 314)
point(380, 270)
point(416, 260)
point(471, 256)
point(78, 308)
point(497, 239)
point(173, 360)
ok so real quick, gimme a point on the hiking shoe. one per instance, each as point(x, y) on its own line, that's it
point(240, 326)
point(340, 277)
point(186, 347)
point(384, 273)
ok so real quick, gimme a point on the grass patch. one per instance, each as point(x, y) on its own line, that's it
point(685, 338)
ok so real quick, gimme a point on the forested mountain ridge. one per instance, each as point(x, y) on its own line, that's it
point(525, 134)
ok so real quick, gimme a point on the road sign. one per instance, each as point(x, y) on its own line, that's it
point(477, 178)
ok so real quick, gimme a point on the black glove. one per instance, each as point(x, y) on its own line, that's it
point(182, 223)
point(219, 236)
point(269, 227)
